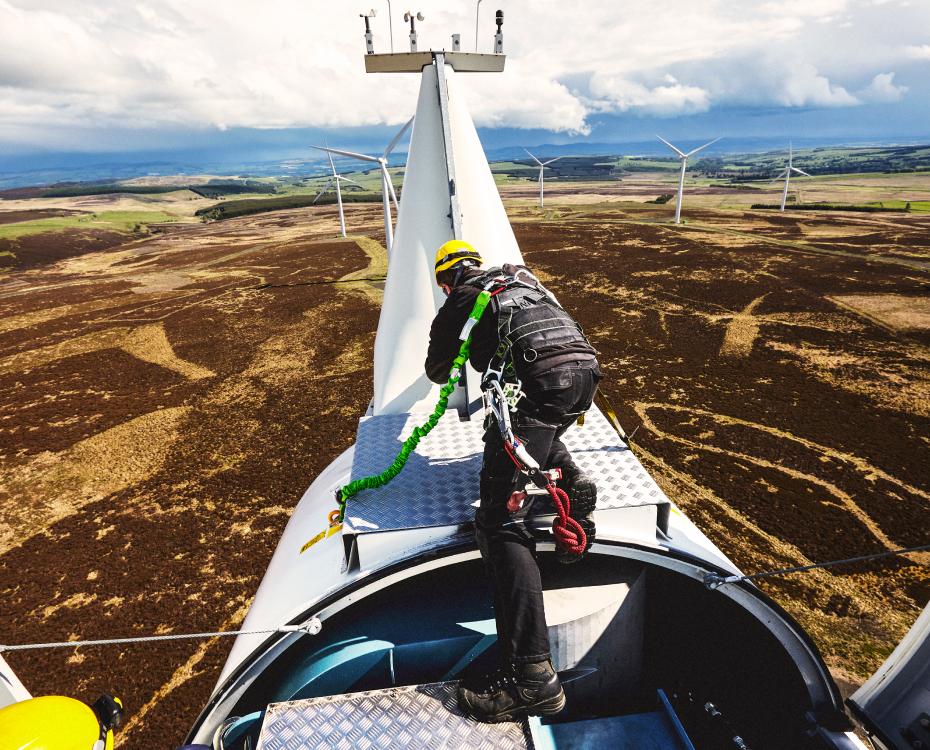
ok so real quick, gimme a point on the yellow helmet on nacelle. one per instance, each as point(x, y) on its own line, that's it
point(54, 722)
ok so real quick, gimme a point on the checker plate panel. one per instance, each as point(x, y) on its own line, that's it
point(418, 717)
point(439, 484)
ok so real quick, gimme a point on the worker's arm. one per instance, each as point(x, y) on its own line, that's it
point(444, 342)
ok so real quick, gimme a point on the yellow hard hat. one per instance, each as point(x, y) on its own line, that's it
point(54, 722)
point(453, 252)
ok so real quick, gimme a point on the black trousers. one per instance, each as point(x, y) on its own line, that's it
point(554, 399)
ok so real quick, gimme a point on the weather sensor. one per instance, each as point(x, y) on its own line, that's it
point(499, 36)
point(408, 16)
point(369, 39)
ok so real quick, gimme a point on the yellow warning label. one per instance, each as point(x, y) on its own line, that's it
point(313, 541)
point(322, 535)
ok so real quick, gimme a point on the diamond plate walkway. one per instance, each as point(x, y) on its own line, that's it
point(418, 717)
point(439, 484)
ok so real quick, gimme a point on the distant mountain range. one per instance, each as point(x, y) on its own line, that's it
point(655, 147)
point(130, 168)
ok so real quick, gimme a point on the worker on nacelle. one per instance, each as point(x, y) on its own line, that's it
point(526, 341)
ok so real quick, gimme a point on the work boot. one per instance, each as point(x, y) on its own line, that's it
point(582, 499)
point(512, 692)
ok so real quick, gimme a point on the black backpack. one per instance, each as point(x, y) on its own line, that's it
point(530, 322)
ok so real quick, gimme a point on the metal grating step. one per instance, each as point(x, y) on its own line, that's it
point(418, 717)
point(439, 484)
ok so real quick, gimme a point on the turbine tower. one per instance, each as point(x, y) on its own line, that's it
point(787, 175)
point(542, 165)
point(337, 178)
point(684, 165)
point(386, 187)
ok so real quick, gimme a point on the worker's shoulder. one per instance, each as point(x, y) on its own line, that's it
point(465, 291)
point(462, 294)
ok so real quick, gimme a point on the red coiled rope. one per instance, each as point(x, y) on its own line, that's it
point(568, 532)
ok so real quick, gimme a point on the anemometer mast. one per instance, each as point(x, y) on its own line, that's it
point(414, 61)
point(408, 16)
point(369, 39)
point(499, 36)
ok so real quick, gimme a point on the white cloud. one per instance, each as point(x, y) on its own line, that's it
point(882, 89)
point(806, 8)
point(617, 94)
point(803, 87)
point(298, 63)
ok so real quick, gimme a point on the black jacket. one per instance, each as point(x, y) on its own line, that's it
point(444, 342)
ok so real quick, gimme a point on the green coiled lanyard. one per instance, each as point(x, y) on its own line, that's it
point(379, 480)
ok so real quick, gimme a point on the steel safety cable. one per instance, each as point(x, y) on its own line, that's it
point(713, 581)
point(312, 627)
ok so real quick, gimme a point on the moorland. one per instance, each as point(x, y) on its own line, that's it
point(171, 384)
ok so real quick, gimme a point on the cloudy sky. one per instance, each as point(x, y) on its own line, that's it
point(261, 79)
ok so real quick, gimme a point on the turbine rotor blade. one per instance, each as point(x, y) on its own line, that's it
point(781, 176)
point(350, 154)
point(324, 190)
point(551, 160)
point(534, 158)
point(386, 177)
point(330, 157)
point(671, 146)
point(795, 169)
point(398, 137)
point(704, 146)
point(346, 179)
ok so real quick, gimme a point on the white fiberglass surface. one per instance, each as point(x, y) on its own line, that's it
point(411, 297)
point(294, 577)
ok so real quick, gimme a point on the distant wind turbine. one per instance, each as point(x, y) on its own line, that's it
point(787, 175)
point(387, 188)
point(337, 178)
point(542, 166)
point(684, 165)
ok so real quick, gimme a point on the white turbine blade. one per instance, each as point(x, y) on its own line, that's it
point(346, 179)
point(330, 157)
point(704, 146)
point(670, 145)
point(781, 176)
point(534, 158)
point(324, 190)
point(397, 138)
point(795, 169)
point(386, 178)
point(551, 160)
point(350, 154)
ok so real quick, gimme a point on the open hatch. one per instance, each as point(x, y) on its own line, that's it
point(642, 648)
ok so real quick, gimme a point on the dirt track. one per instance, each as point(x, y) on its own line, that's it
point(161, 415)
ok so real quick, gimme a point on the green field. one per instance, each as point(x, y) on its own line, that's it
point(120, 221)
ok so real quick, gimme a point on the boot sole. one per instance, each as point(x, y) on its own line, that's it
point(551, 706)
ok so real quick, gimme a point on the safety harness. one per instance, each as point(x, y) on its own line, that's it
point(530, 321)
point(501, 390)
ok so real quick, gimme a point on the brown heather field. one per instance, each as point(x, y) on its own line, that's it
point(165, 402)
